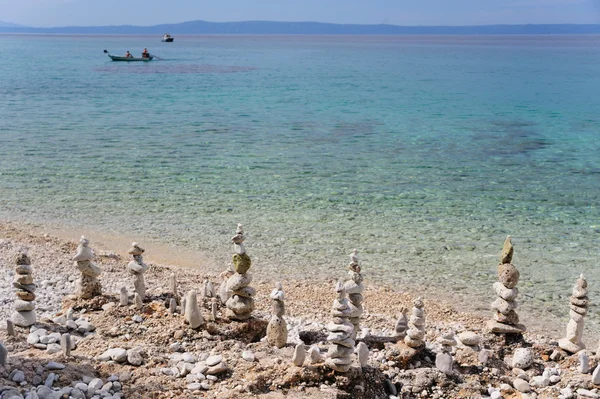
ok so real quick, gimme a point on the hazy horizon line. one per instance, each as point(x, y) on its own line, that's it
point(16, 25)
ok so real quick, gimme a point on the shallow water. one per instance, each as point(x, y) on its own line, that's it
point(423, 152)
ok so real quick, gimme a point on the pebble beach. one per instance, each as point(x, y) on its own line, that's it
point(125, 352)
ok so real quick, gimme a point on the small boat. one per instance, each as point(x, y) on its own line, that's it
point(167, 38)
point(129, 59)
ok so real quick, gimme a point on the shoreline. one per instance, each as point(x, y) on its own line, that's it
point(182, 258)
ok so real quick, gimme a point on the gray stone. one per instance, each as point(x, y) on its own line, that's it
point(65, 344)
point(443, 362)
point(49, 380)
point(3, 355)
point(11, 394)
point(183, 305)
point(78, 393)
point(53, 348)
point(522, 358)
point(24, 318)
point(587, 393)
point(299, 355)
point(213, 360)
point(134, 357)
point(33, 338)
point(469, 338)
point(81, 386)
point(173, 281)
point(10, 328)
point(17, 376)
point(584, 362)
point(94, 386)
point(55, 366)
point(596, 376)
point(363, 354)
point(21, 305)
point(172, 306)
point(123, 297)
point(194, 386)
point(314, 355)
point(119, 355)
point(218, 369)
point(248, 356)
point(540, 381)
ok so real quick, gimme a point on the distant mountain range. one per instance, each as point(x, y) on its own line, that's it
point(10, 25)
point(268, 27)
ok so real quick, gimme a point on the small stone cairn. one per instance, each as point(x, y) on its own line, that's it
point(579, 304)
point(354, 288)
point(506, 320)
point(416, 326)
point(240, 305)
point(89, 284)
point(24, 315)
point(137, 267)
point(277, 328)
point(443, 360)
point(340, 333)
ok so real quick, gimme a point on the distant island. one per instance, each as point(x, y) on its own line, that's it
point(305, 28)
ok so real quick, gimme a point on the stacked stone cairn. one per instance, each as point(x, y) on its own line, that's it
point(416, 326)
point(240, 305)
point(277, 328)
point(354, 288)
point(137, 267)
point(340, 333)
point(579, 304)
point(506, 320)
point(24, 315)
point(89, 284)
point(443, 360)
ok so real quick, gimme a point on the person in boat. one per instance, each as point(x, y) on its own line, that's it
point(128, 54)
point(145, 53)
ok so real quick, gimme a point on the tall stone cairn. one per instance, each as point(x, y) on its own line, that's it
point(277, 328)
point(354, 288)
point(340, 333)
point(506, 320)
point(137, 267)
point(416, 326)
point(24, 315)
point(579, 304)
point(89, 285)
point(240, 305)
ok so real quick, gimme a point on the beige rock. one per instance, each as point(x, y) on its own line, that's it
point(508, 275)
point(192, 312)
point(507, 251)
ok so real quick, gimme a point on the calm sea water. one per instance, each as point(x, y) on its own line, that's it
point(423, 152)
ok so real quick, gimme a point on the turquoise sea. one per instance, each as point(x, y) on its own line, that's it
point(423, 152)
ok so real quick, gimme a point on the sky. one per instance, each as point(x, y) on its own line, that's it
point(54, 13)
